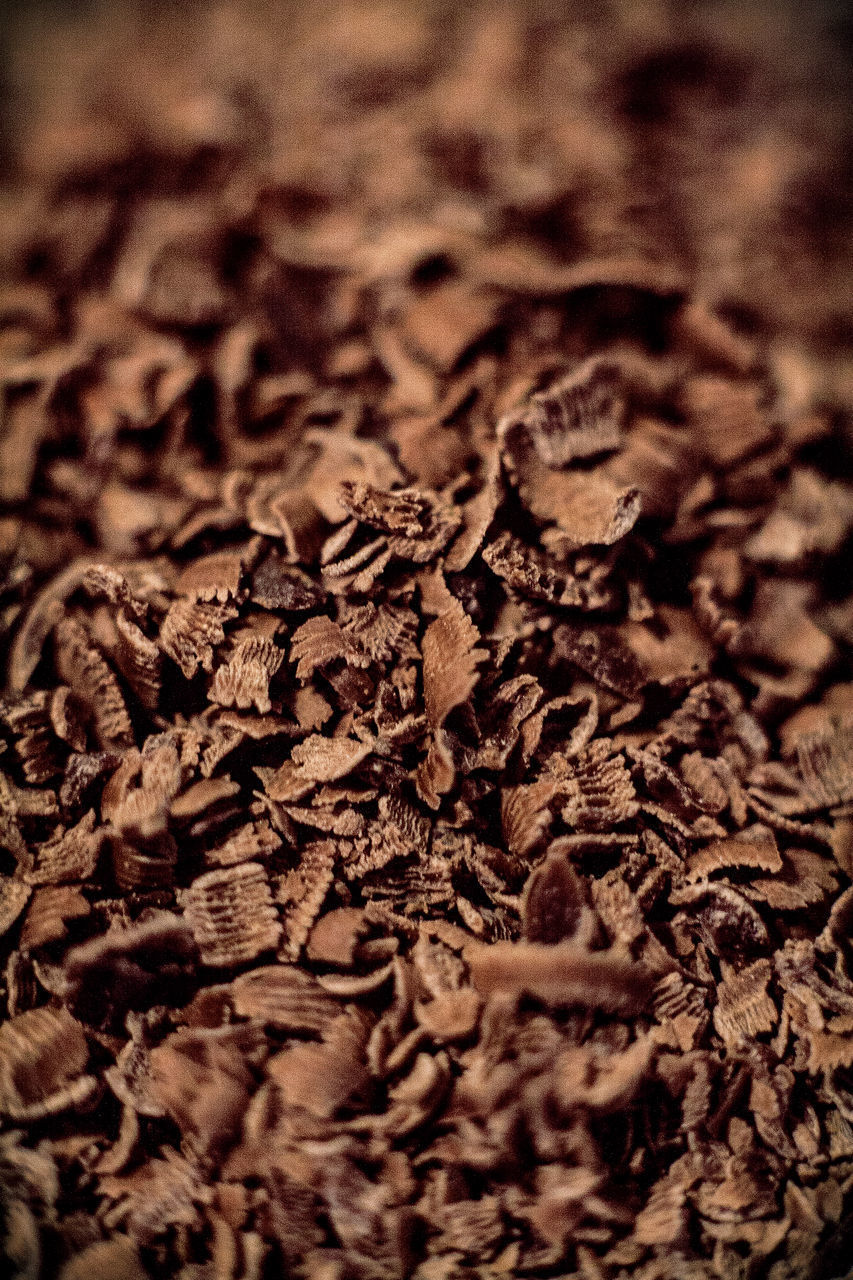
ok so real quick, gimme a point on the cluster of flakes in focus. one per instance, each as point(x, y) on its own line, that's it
point(426, 755)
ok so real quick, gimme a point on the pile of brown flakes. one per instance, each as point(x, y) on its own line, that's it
point(426, 755)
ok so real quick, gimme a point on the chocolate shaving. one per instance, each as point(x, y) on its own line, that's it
point(426, 819)
point(561, 975)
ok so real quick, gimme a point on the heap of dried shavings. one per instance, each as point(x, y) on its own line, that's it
point(426, 753)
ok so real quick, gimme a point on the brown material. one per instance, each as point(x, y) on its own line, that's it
point(426, 741)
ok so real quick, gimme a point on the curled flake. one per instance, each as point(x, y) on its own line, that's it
point(450, 663)
point(214, 577)
point(49, 912)
point(561, 975)
point(596, 788)
point(753, 848)
point(418, 524)
point(70, 855)
point(322, 759)
point(382, 632)
point(743, 1008)
point(139, 659)
point(826, 764)
point(579, 416)
point(533, 573)
point(526, 813)
point(190, 632)
point(36, 745)
point(43, 1054)
point(232, 914)
point(82, 667)
point(318, 642)
point(401, 511)
point(245, 679)
point(302, 891)
point(14, 895)
point(284, 996)
point(44, 613)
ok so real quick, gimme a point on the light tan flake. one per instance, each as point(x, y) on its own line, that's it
point(450, 663)
point(70, 855)
point(322, 1077)
point(442, 324)
point(585, 509)
point(284, 996)
point(826, 764)
point(828, 1051)
point(80, 665)
point(43, 1054)
point(302, 891)
point(322, 759)
point(526, 814)
point(755, 847)
point(254, 840)
point(14, 895)
point(217, 576)
point(201, 796)
point(335, 937)
point(190, 632)
point(139, 659)
point(232, 914)
point(245, 679)
point(743, 1008)
point(318, 642)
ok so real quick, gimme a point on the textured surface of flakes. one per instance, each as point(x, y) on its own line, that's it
point(450, 659)
point(254, 840)
point(561, 975)
point(232, 914)
point(320, 759)
point(82, 667)
point(425, 804)
point(14, 895)
point(284, 996)
point(579, 416)
point(70, 855)
point(743, 1007)
point(43, 1054)
point(190, 632)
point(245, 679)
point(754, 848)
point(535, 574)
point(826, 764)
point(319, 641)
point(214, 577)
point(302, 891)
